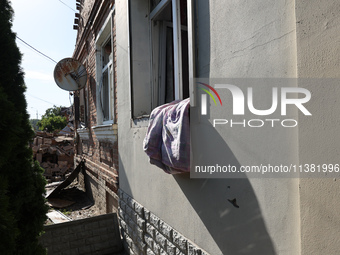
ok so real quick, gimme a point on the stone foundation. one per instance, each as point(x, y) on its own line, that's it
point(145, 233)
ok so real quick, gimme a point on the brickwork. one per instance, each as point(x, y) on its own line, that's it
point(145, 233)
point(101, 185)
point(86, 8)
point(96, 235)
point(100, 177)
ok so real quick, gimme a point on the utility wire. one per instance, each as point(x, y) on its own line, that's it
point(68, 6)
point(41, 99)
point(36, 49)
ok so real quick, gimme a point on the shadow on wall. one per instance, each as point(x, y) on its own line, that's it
point(92, 94)
point(227, 207)
point(89, 184)
point(237, 226)
point(123, 177)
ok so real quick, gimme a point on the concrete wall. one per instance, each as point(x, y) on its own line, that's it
point(318, 55)
point(96, 235)
point(244, 39)
point(234, 39)
point(249, 40)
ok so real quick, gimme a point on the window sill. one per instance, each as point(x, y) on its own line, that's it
point(106, 133)
point(83, 133)
point(140, 122)
point(106, 123)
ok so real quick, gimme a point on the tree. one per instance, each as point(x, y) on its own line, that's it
point(34, 124)
point(22, 185)
point(52, 120)
point(54, 111)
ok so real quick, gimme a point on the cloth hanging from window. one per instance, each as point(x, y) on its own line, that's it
point(167, 141)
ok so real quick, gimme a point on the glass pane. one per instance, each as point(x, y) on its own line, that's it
point(169, 87)
point(184, 10)
point(105, 96)
point(185, 64)
point(106, 51)
point(154, 3)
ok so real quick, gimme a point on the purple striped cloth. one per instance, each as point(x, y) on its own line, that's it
point(167, 141)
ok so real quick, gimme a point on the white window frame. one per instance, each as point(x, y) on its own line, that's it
point(108, 68)
point(176, 24)
point(177, 47)
point(103, 36)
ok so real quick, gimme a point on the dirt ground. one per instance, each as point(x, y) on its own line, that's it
point(82, 207)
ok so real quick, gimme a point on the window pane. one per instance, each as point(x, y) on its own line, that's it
point(154, 3)
point(185, 64)
point(164, 61)
point(169, 88)
point(106, 52)
point(184, 10)
point(105, 95)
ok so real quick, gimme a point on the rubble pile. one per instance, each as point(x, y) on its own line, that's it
point(55, 154)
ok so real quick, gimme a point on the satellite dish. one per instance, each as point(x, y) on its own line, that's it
point(70, 74)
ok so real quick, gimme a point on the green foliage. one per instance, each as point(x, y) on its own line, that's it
point(8, 229)
point(53, 123)
point(22, 185)
point(66, 212)
point(54, 111)
point(52, 120)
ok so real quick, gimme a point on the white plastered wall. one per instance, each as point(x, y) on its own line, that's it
point(242, 39)
point(318, 53)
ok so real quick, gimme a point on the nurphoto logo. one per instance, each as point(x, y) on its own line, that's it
point(302, 96)
point(204, 97)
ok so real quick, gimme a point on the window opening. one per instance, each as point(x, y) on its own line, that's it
point(172, 76)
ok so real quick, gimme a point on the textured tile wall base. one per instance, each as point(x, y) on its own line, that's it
point(146, 234)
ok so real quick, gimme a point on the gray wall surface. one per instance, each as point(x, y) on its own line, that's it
point(96, 235)
point(318, 56)
point(238, 39)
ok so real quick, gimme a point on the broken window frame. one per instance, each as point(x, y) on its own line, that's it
point(105, 85)
point(160, 44)
point(144, 67)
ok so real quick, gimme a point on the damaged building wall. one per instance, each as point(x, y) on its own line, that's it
point(55, 153)
point(96, 140)
point(233, 39)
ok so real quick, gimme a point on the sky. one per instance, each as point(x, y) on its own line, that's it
point(46, 25)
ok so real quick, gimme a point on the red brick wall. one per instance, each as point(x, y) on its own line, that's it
point(101, 175)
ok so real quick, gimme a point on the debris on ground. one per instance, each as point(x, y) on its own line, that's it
point(55, 154)
point(56, 216)
point(54, 191)
point(73, 203)
point(59, 203)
